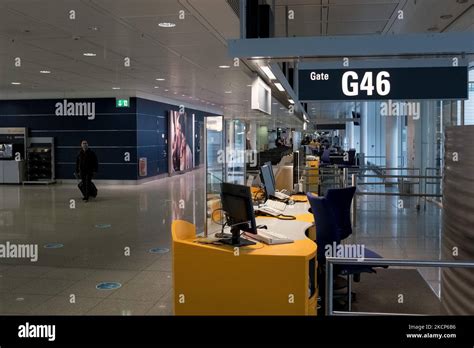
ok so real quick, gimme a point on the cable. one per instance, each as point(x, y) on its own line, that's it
point(212, 216)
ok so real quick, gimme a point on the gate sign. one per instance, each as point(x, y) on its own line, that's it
point(381, 84)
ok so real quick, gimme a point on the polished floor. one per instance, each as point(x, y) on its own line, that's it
point(109, 240)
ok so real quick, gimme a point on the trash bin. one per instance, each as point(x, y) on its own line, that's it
point(406, 186)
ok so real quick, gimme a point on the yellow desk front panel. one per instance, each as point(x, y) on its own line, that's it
point(254, 280)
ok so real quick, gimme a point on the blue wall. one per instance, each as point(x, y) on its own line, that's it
point(138, 130)
point(110, 134)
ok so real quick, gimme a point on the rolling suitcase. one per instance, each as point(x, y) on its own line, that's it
point(93, 188)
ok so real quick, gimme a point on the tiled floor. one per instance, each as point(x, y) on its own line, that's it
point(108, 240)
point(400, 233)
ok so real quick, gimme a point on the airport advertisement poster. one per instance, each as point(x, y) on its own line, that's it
point(180, 142)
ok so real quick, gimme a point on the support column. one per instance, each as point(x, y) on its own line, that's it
point(363, 131)
point(391, 146)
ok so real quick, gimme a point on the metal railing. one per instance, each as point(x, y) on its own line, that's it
point(331, 261)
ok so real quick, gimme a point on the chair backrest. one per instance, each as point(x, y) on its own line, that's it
point(326, 156)
point(326, 227)
point(181, 229)
point(340, 201)
point(352, 153)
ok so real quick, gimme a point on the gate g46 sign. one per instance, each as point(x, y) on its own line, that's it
point(379, 84)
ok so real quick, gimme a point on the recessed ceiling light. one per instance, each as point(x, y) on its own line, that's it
point(228, 92)
point(16, 83)
point(446, 16)
point(167, 25)
point(166, 90)
point(291, 101)
point(280, 87)
point(213, 104)
point(45, 72)
point(224, 66)
point(160, 79)
point(89, 54)
point(115, 87)
point(183, 95)
point(156, 87)
point(268, 72)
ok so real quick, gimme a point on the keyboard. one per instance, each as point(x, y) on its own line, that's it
point(269, 211)
point(270, 238)
point(281, 196)
point(276, 205)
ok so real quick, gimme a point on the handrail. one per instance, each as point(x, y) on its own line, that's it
point(331, 261)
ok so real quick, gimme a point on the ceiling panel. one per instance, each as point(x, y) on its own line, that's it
point(361, 13)
point(140, 8)
point(355, 28)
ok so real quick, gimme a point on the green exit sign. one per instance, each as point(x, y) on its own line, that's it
point(122, 103)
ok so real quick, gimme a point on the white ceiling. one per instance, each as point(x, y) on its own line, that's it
point(187, 56)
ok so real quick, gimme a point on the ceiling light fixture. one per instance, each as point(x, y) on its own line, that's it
point(224, 66)
point(45, 72)
point(167, 25)
point(279, 86)
point(115, 87)
point(156, 87)
point(268, 72)
point(16, 83)
point(228, 92)
point(291, 101)
point(89, 54)
point(160, 79)
point(166, 90)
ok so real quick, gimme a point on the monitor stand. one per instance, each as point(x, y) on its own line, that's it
point(236, 240)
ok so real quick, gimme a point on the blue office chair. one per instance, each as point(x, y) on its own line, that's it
point(340, 201)
point(332, 220)
point(325, 158)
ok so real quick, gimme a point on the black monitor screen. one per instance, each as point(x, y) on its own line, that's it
point(237, 203)
point(266, 173)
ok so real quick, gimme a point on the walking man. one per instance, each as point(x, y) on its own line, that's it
point(86, 167)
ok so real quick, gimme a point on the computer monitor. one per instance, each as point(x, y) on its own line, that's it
point(266, 176)
point(270, 165)
point(238, 206)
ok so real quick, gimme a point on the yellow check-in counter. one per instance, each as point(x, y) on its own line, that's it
point(252, 280)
